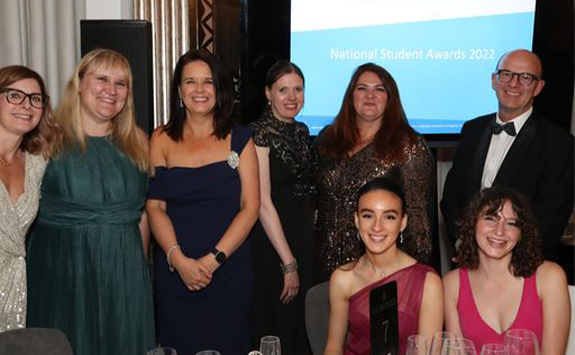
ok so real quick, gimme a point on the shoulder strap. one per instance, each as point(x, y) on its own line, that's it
point(240, 137)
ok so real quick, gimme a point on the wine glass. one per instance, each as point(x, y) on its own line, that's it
point(447, 343)
point(459, 346)
point(521, 342)
point(162, 351)
point(438, 342)
point(416, 345)
point(494, 349)
point(208, 352)
point(270, 345)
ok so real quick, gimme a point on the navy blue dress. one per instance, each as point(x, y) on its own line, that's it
point(201, 203)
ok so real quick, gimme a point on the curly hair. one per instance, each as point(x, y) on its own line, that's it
point(527, 254)
point(37, 140)
point(394, 134)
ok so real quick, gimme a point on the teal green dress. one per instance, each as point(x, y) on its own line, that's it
point(87, 274)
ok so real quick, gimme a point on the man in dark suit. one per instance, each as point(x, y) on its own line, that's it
point(518, 148)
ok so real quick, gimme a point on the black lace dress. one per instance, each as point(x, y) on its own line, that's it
point(290, 164)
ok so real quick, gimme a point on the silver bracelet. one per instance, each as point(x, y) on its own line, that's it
point(169, 255)
point(288, 268)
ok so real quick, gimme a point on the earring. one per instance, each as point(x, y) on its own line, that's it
point(400, 238)
point(269, 103)
point(358, 236)
point(181, 103)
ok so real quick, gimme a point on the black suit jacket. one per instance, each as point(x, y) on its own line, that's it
point(539, 164)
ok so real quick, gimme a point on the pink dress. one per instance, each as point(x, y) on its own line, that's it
point(529, 316)
point(410, 282)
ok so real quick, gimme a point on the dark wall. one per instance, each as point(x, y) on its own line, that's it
point(133, 39)
point(553, 42)
point(227, 46)
point(265, 37)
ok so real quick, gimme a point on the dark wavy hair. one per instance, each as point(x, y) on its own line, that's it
point(281, 68)
point(223, 111)
point(527, 254)
point(395, 131)
point(390, 185)
point(36, 141)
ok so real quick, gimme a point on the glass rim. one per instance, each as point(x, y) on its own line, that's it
point(269, 338)
point(497, 345)
point(520, 333)
point(460, 343)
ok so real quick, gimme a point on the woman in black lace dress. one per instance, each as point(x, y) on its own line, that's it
point(282, 240)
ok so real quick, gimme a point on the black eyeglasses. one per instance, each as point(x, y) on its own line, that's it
point(17, 97)
point(524, 78)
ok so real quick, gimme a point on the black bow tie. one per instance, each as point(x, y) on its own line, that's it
point(509, 128)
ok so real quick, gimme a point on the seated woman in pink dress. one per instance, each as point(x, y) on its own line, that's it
point(503, 281)
point(380, 218)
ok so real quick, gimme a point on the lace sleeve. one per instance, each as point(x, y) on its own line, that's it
point(259, 134)
point(417, 174)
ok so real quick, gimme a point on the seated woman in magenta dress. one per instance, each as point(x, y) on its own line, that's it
point(380, 219)
point(503, 281)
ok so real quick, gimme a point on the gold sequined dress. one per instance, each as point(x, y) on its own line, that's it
point(338, 182)
point(15, 219)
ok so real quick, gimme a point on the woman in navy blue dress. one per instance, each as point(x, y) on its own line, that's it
point(203, 201)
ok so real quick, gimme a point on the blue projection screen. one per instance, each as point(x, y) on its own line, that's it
point(440, 52)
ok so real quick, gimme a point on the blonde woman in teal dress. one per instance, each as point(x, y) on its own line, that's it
point(87, 271)
point(25, 116)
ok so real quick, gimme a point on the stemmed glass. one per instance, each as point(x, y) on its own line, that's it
point(270, 345)
point(438, 342)
point(447, 343)
point(162, 351)
point(416, 345)
point(459, 346)
point(494, 349)
point(521, 342)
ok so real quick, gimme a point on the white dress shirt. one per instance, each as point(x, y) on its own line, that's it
point(499, 147)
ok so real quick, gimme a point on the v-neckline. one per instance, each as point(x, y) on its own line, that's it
point(481, 317)
point(5, 189)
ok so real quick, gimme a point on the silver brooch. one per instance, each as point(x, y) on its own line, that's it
point(233, 160)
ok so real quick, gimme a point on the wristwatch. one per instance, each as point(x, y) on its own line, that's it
point(220, 256)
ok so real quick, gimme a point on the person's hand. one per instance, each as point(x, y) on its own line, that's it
point(210, 262)
point(291, 287)
point(195, 274)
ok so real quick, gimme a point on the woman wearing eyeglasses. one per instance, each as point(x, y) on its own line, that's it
point(24, 123)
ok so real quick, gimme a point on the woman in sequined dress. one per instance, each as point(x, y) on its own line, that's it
point(369, 138)
point(25, 117)
point(282, 241)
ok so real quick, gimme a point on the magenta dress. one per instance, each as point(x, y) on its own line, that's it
point(529, 316)
point(410, 282)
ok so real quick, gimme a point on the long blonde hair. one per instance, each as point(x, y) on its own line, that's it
point(124, 129)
